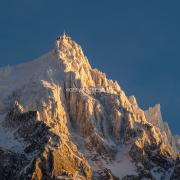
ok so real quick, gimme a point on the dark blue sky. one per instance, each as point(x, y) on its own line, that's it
point(134, 42)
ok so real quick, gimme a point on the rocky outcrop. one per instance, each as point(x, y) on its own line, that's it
point(45, 156)
point(176, 171)
point(177, 141)
point(154, 116)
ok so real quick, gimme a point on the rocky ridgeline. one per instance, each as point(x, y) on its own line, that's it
point(67, 120)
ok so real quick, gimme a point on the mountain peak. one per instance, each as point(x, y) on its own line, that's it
point(153, 114)
point(62, 109)
point(62, 37)
point(65, 44)
point(62, 40)
point(70, 53)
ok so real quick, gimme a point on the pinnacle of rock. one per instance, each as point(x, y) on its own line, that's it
point(63, 41)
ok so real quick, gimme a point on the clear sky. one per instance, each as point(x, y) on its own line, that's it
point(136, 42)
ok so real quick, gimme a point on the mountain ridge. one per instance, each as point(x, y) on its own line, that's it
point(90, 128)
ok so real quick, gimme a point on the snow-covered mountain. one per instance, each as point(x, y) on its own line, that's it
point(60, 119)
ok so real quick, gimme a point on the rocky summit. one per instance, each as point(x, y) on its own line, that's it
point(62, 119)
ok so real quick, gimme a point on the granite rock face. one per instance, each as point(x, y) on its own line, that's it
point(176, 171)
point(63, 119)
